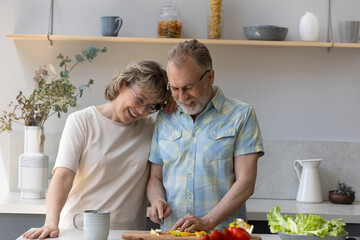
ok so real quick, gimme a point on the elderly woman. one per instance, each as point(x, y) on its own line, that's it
point(103, 152)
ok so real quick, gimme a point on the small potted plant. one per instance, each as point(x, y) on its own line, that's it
point(342, 195)
point(52, 94)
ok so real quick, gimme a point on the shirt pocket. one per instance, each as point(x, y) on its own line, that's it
point(220, 143)
point(169, 143)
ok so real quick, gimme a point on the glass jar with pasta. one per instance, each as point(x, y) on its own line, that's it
point(215, 19)
point(169, 25)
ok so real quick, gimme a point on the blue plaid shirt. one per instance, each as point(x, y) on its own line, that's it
point(197, 157)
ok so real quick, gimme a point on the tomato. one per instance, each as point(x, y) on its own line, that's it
point(240, 234)
point(215, 235)
point(205, 237)
point(231, 229)
point(227, 235)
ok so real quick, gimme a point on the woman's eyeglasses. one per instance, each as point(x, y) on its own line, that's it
point(150, 108)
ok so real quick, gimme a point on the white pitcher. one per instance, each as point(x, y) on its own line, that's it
point(309, 190)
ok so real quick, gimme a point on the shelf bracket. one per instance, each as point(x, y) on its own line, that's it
point(329, 30)
point(51, 22)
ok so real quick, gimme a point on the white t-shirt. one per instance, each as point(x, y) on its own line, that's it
point(110, 162)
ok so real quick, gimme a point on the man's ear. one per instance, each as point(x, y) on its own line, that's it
point(211, 77)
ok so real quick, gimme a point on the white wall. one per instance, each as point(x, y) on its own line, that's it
point(298, 93)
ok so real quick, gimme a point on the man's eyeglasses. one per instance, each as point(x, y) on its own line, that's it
point(187, 88)
point(150, 108)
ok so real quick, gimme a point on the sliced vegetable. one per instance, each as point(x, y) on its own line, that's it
point(200, 233)
point(238, 222)
point(155, 232)
point(178, 233)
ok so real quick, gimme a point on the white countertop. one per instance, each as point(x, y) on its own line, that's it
point(256, 208)
point(74, 234)
point(13, 203)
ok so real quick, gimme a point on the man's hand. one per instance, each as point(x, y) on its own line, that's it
point(190, 222)
point(51, 231)
point(158, 211)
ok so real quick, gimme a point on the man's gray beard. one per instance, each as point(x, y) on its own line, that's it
point(200, 104)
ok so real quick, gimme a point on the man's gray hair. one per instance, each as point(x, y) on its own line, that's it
point(194, 49)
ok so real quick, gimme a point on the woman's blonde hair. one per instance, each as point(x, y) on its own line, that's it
point(146, 74)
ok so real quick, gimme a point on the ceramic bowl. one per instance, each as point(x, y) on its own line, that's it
point(341, 198)
point(286, 236)
point(265, 32)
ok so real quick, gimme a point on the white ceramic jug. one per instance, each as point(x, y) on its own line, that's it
point(309, 190)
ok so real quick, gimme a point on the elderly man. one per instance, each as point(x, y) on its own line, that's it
point(204, 156)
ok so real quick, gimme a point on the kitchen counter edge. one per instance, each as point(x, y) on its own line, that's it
point(72, 234)
point(257, 209)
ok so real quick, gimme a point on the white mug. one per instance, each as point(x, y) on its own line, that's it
point(96, 224)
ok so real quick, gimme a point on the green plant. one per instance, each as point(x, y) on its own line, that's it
point(343, 188)
point(52, 94)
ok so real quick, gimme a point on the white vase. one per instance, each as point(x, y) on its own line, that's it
point(309, 27)
point(33, 164)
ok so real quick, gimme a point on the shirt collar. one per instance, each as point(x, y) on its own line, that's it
point(219, 99)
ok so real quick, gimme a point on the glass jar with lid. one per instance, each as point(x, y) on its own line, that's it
point(169, 25)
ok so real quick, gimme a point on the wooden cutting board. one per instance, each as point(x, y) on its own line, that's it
point(145, 235)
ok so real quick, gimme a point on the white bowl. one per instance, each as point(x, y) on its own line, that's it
point(287, 236)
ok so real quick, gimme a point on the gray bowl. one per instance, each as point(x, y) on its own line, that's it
point(265, 32)
point(286, 236)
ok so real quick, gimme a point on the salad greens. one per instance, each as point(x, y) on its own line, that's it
point(304, 224)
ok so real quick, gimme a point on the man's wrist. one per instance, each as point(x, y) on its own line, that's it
point(210, 221)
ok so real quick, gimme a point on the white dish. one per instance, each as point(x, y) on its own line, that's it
point(287, 236)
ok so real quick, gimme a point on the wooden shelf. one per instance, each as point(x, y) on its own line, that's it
point(176, 40)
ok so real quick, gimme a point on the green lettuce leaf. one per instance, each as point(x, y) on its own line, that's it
point(292, 225)
point(303, 224)
point(276, 221)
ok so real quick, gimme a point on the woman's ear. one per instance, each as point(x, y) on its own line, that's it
point(122, 83)
point(122, 86)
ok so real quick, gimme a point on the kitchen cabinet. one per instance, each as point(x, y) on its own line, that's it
point(12, 225)
point(176, 40)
